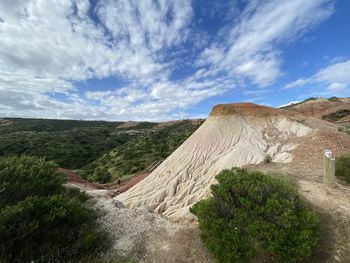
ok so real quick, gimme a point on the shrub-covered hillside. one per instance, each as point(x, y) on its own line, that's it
point(71, 144)
point(137, 154)
point(336, 116)
point(48, 125)
point(76, 144)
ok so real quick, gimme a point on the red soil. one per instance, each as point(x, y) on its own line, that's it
point(115, 188)
point(78, 180)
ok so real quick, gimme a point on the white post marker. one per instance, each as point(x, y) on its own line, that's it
point(329, 168)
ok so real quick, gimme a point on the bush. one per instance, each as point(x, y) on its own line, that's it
point(342, 167)
point(44, 221)
point(333, 99)
point(101, 174)
point(251, 214)
point(25, 176)
point(344, 129)
point(267, 159)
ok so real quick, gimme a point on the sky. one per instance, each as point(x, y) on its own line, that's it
point(156, 60)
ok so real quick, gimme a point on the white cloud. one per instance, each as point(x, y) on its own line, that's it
point(48, 47)
point(335, 77)
point(337, 72)
point(251, 48)
point(297, 83)
point(336, 86)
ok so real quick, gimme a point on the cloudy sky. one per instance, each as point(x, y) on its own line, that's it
point(168, 59)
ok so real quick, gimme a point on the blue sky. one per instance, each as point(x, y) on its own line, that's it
point(168, 59)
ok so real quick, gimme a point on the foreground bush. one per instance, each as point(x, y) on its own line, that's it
point(251, 214)
point(342, 167)
point(25, 176)
point(43, 221)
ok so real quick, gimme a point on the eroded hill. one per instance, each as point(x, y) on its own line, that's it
point(234, 135)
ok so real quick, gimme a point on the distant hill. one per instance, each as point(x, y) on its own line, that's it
point(332, 109)
point(50, 125)
point(70, 143)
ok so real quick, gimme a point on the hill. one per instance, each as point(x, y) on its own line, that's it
point(332, 109)
point(234, 135)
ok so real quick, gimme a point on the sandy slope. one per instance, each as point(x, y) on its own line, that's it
point(139, 236)
point(233, 135)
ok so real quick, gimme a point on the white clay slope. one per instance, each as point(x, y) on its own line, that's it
point(222, 142)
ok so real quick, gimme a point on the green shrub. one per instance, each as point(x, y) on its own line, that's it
point(44, 221)
point(344, 129)
point(342, 167)
point(267, 159)
point(25, 176)
point(53, 228)
point(251, 214)
point(101, 174)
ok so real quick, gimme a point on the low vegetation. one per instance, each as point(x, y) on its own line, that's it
point(342, 167)
point(102, 151)
point(267, 159)
point(255, 215)
point(333, 99)
point(42, 221)
point(70, 144)
point(50, 125)
point(336, 116)
point(344, 129)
